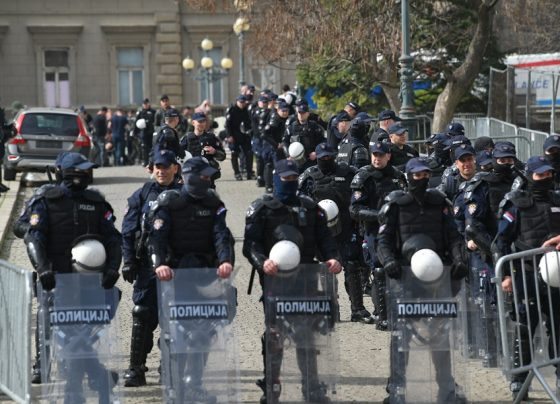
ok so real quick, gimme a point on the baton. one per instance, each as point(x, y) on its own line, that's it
point(251, 280)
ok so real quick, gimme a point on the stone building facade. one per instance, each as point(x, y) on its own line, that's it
point(117, 52)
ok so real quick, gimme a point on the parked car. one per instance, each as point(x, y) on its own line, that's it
point(40, 135)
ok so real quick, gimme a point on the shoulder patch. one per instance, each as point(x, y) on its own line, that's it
point(34, 219)
point(158, 224)
point(254, 208)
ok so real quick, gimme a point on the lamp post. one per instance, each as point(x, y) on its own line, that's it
point(241, 26)
point(408, 110)
point(207, 72)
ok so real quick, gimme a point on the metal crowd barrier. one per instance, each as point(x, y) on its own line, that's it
point(530, 318)
point(16, 293)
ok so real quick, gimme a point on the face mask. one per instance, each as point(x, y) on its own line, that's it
point(326, 166)
point(196, 186)
point(285, 191)
point(503, 170)
point(554, 159)
point(418, 187)
point(541, 189)
point(75, 180)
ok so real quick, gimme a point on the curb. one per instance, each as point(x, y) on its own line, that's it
point(7, 205)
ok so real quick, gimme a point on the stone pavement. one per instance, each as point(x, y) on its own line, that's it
point(364, 359)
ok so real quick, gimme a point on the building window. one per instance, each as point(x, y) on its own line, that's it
point(130, 68)
point(56, 82)
point(215, 85)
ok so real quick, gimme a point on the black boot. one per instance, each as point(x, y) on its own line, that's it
point(140, 345)
point(354, 286)
point(378, 296)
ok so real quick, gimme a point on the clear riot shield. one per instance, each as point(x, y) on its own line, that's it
point(79, 340)
point(301, 348)
point(198, 348)
point(426, 340)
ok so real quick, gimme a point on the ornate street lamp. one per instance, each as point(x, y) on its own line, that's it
point(241, 26)
point(408, 111)
point(207, 72)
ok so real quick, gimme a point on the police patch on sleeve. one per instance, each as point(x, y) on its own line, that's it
point(250, 211)
point(455, 210)
point(108, 215)
point(357, 195)
point(34, 219)
point(471, 208)
point(158, 223)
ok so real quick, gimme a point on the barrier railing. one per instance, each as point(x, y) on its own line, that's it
point(15, 331)
point(528, 317)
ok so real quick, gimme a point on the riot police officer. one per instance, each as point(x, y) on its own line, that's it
point(465, 163)
point(136, 268)
point(439, 158)
point(148, 114)
point(272, 148)
point(329, 180)
point(256, 110)
point(338, 126)
point(386, 119)
point(159, 118)
point(238, 124)
point(370, 186)
point(306, 132)
point(70, 211)
point(527, 218)
point(167, 138)
point(188, 230)
point(203, 143)
point(353, 150)
point(551, 150)
point(425, 212)
point(287, 216)
point(400, 151)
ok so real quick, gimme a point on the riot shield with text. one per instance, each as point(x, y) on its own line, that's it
point(79, 347)
point(427, 355)
point(300, 340)
point(198, 347)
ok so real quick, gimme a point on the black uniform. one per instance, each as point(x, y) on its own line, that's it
point(353, 151)
point(370, 186)
point(399, 157)
point(167, 139)
point(149, 115)
point(265, 221)
point(238, 123)
point(195, 145)
point(309, 134)
point(272, 136)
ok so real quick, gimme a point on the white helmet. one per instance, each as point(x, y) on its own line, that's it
point(426, 265)
point(88, 256)
point(182, 161)
point(297, 152)
point(286, 255)
point(331, 210)
point(549, 266)
point(141, 123)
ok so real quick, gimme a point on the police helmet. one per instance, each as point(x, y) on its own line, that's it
point(549, 268)
point(88, 255)
point(141, 123)
point(426, 265)
point(297, 152)
point(415, 243)
point(286, 255)
point(331, 210)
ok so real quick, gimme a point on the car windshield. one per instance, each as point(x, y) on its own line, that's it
point(45, 123)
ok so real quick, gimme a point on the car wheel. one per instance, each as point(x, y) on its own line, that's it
point(9, 174)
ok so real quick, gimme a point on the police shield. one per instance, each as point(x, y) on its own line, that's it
point(198, 348)
point(300, 312)
point(79, 340)
point(426, 341)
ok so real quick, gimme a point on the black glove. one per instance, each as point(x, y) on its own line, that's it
point(109, 279)
point(459, 270)
point(48, 282)
point(393, 269)
point(130, 271)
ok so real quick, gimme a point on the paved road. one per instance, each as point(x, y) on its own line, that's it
point(364, 355)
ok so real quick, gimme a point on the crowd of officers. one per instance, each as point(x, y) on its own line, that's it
point(473, 201)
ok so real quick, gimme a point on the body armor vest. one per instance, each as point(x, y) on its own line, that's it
point(537, 223)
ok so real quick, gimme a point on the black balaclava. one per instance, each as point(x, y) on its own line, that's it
point(554, 160)
point(417, 187)
point(285, 191)
point(195, 186)
point(326, 166)
point(76, 180)
point(541, 188)
point(503, 170)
